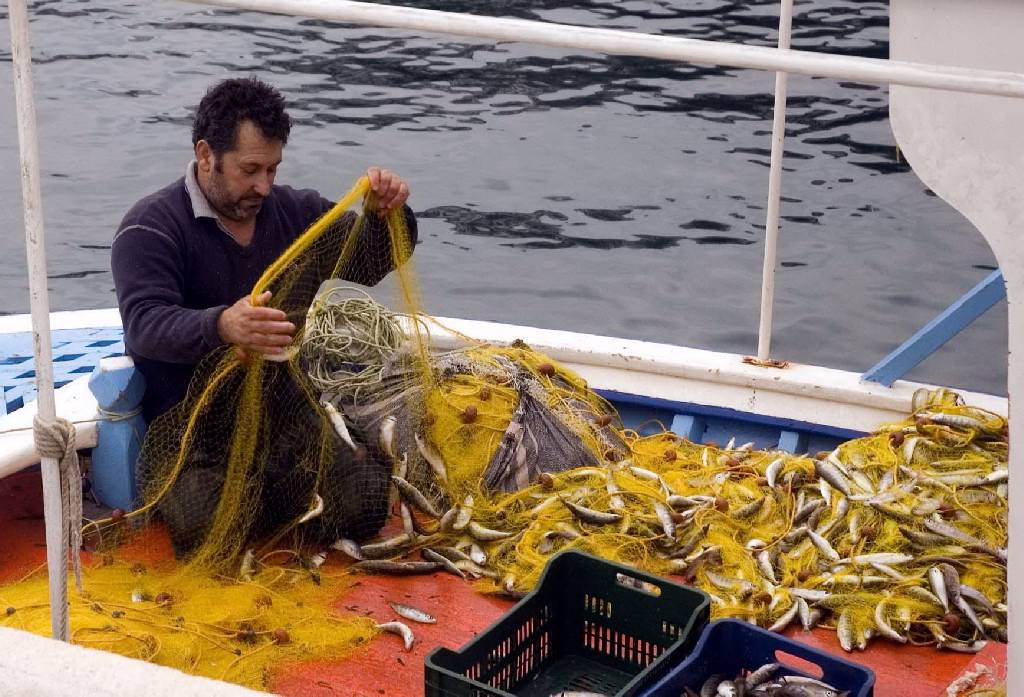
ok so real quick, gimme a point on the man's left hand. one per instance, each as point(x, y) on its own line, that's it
point(391, 189)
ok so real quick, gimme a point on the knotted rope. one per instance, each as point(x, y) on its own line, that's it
point(56, 439)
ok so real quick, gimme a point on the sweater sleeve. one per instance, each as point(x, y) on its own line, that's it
point(149, 270)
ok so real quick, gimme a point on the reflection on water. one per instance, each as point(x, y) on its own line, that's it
point(564, 189)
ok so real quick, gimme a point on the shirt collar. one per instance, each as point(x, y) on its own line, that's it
point(201, 207)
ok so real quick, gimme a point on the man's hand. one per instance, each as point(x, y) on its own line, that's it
point(254, 328)
point(391, 190)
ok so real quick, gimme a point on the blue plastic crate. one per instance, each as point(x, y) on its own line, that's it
point(728, 647)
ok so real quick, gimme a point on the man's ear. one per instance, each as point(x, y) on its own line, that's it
point(204, 156)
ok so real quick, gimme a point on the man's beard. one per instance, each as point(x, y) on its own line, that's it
point(238, 210)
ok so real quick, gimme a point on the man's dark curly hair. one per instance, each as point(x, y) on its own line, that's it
point(227, 104)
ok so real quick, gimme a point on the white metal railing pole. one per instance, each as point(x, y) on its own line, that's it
point(874, 70)
point(771, 228)
point(56, 552)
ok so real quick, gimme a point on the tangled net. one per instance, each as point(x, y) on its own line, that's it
point(900, 534)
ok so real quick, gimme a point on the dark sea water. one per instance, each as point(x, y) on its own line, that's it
point(555, 188)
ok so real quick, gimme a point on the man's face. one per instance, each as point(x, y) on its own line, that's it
point(236, 182)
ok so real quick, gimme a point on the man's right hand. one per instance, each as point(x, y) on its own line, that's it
point(254, 328)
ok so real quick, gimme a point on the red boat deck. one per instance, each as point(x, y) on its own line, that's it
point(384, 668)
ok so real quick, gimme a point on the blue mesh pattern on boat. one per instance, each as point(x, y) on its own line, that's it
point(75, 353)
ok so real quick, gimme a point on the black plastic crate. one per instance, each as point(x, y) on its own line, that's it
point(729, 646)
point(589, 625)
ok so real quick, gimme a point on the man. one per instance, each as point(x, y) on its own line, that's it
point(185, 260)
point(186, 257)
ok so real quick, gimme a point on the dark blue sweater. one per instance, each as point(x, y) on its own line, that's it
point(175, 273)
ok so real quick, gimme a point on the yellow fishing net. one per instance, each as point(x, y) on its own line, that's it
point(495, 458)
point(250, 478)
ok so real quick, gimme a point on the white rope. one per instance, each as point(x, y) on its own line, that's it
point(56, 439)
point(104, 415)
point(115, 416)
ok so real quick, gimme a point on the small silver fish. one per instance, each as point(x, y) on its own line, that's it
point(433, 458)
point(543, 506)
point(479, 532)
point(812, 687)
point(880, 558)
point(446, 563)
point(823, 546)
point(883, 626)
point(761, 675)
point(248, 566)
point(387, 436)
point(397, 568)
point(415, 497)
point(938, 584)
point(447, 522)
point(452, 554)
point(807, 615)
point(589, 515)
point(829, 473)
point(844, 630)
point(786, 618)
point(464, 515)
point(315, 509)
point(977, 597)
point(952, 580)
point(475, 570)
point(387, 548)
point(804, 511)
point(966, 608)
point(407, 524)
point(349, 547)
point(710, 686)
point(771, 472)
point(749, 510)
point(614, 500)
point(764, 563)
point(411, 613)
point(401, 630)
point(338, 422)
point(477, 554)
point(665, 518)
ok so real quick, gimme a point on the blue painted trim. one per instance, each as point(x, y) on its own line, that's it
point(950, 322)
point(731, 414)
point(793, 442)
point(689, 427)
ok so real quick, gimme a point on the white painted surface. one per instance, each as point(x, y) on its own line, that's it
point(771, 228)
point(74, 402)
point(33, 666)
point(969, 149)
point(39, 302)
point(74, 319)
point(871, 70)
point(801, 392)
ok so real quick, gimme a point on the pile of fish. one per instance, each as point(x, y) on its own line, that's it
point(900, 534)
point(763, 681)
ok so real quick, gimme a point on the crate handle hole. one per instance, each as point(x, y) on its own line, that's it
point(637, 584)
point(797, 663)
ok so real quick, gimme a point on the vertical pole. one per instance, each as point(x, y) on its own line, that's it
point(56, 553)
point(771, 231)
point(1015, 463)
